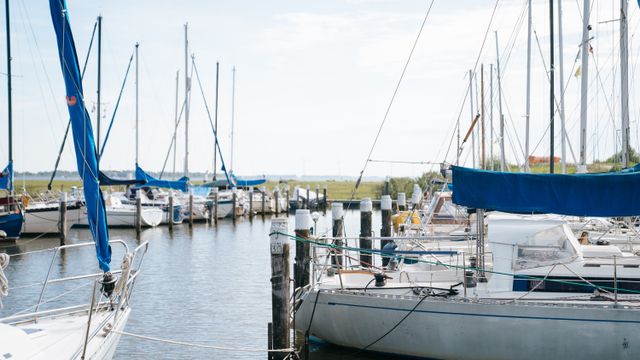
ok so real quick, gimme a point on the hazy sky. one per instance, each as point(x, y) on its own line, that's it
point(313, 81)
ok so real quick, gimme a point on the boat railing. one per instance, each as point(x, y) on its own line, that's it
point(132, 272)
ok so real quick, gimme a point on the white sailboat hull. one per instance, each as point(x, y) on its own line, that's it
point(126, 217)
point(46, 220)
point(455, 329)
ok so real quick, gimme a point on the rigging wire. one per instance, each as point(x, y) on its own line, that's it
point(395, 92)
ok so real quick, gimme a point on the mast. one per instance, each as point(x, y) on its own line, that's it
point(528, 98)
point(215, 149)
point(137, 144)
point(233, 111)
point(624, 82)
point(502, 156)
point(582, 167)
point(551, 89)
point(473, 134)
point(482, 116)
point(491, 116)
point(186, 100)
point(99, 84)
point(9, 101)
point(563, 138)
point(175, 122)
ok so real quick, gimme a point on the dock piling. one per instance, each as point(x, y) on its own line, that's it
point(385, 230)
point(301, 271)
point(280, 289)
point(366, 208)
point(263, 192)
point(138, 212)
point(171, 211)
point(251, 203)
point(190, 208)
point(215, 206)
point(62, 225)
point(402, 201)
point(288, 198)
point(324, 199)
point(308, 202)
point(276, 198)
point(337, 215)
point(317, 207)
point(234, 201)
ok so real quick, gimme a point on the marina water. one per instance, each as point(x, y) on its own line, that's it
point(206, 285)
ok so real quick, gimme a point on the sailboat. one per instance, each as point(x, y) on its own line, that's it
point(10, 212)
point(87, 331)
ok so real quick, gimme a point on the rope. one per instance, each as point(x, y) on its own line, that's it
point(203, 346)
point(4, 282)
point(520, 276)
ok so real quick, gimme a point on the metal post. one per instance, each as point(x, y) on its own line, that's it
point(615, 281)
point(480, 244)
point(337, 215)
point(62, 226)
point(301, 273)
point(365, 231)
point(280, 290)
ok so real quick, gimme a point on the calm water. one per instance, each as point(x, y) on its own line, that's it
point(207, 285)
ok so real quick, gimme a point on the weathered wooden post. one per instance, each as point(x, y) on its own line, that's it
point(402, 201)
point(280, 289)
point(276, 198)
point(324, 199)
point(308, 205)
point(215, 205)
point(365, 231)
point(171, 210)
point(416, 197)
point(385, 230)
point(263, 193)
point(190, 207)
point(62, 226)
point(337, 215)
point(301, 272)
point(251, 202)
point(138, 212)
point(317, 207)
point(234, 201)
point(288, 198)
point(297, 197)
point(211, 215)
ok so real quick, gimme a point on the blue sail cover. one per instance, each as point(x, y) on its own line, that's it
point(247, 183)
point(107, 181)
point(83, 141)
point(180, 184)
point(604, 194)
point(6, 177)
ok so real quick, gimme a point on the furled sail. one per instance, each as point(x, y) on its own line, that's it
point(180, 184)
point(603, 194)
point(84, 144)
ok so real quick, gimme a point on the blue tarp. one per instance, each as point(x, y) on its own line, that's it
point(604, 194)
point(6, 177)
point(85, 147)
point(107, 181)
point(181, 184)
point(247, 183)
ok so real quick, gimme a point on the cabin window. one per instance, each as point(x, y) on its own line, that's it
point(547, 247)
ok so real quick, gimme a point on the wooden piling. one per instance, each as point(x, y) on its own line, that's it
point(251, 203)
point(138, 212)
point(171, 211)
point(62, 226)
point(215, 205)
point(211, 214)
point(317, 207)
point(276, 198)
point(234, 201)
point(301, 271)
point(385, 230)
point(324, 199)
point(337, 215)
point(280, 289)
point(287, 203)
point(402, 201)
point(190, 208)
point(308, 204)
point(365, 231)
point(263, 193)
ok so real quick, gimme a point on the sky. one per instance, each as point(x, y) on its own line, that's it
point(314, 79)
